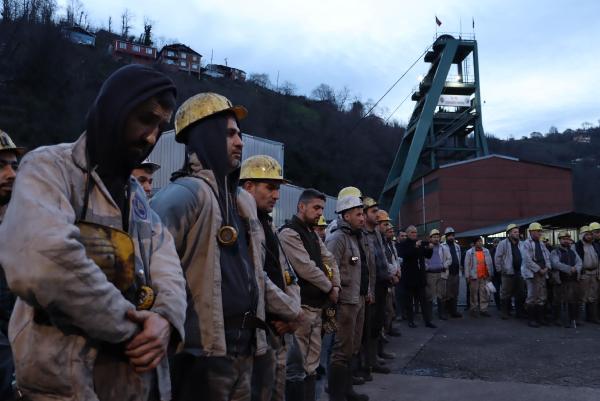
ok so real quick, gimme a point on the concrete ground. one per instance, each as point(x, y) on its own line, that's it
point(490, 359)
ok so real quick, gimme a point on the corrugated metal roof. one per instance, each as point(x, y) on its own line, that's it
point(171, 155)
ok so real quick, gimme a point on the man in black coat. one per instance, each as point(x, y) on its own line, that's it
point(413, 253)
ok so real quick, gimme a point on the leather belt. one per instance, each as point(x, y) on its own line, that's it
point(246, 321)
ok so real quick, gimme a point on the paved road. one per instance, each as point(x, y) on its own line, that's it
point(488, 359)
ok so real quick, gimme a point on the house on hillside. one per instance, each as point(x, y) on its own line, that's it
point(582, 138)
point(132, 52)
point(78, 35)
point(180, 57)
point(224, 71)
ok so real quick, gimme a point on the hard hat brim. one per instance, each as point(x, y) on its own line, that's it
point(19, 151)
point(240, 113)
point(154, 167)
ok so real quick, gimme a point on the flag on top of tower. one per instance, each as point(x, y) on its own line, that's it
point(437, 21)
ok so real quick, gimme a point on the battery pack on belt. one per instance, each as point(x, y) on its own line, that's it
point(246, 321)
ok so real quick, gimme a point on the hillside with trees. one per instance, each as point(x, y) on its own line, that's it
point(47, 84)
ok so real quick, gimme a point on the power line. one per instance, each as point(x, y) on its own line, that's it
point(397, 107)
point(390, 89)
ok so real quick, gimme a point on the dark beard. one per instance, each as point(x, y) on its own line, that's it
point(5, 199)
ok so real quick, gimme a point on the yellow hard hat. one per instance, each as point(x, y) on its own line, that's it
point(201, 106)
point(584, 229)
point(7, 144)
point(349, 191)
point(594, 226)
point(322, 222)
point(535, 227)
point(261, 167)
point(564, 234)
point(383, 216)
point(433, 232)
point(369, 202)
point(510, 227)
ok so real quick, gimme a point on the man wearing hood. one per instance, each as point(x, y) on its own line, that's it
point(344, 242)
point(221, 245)
point(9, 163)
point(94, 252)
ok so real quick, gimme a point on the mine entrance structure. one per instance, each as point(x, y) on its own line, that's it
point(445, 125)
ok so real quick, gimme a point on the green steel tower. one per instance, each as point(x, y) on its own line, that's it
point(445, 125)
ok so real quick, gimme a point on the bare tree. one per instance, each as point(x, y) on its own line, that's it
point(126, 19)
point(75, 11)
point(7, 8)
point(324, 93)
point(260, 80)
point(287, 88)
point(110, 24)
point(147, 35)
point(342, 98)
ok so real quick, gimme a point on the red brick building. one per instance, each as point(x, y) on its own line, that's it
point(133, 52)
point(180, 57)
point(485, 191)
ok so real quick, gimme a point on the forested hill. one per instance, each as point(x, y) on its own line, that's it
point(47, 84)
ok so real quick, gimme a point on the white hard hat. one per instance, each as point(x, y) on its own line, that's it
point(347, 203)
point(449, 230)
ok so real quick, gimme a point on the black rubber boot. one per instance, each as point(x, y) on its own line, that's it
point(310, 390)
point(338, 376)
point(593, 312)
point(453, 308)
point(571, 322)
point(352, 395)
point(294, 391)
point(441, 310)
point(532, 315)
point(505, 305)
point(357, 378)
point(381, 352)
point(428, 315)
point(556, 315)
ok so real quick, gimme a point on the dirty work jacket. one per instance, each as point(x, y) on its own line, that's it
point(190, 211)
point(461, 268)
point(445, 257)
point(344, 246)
point(471, 264)
point(504, 257)
point(559, 266)
point(529, 266)
point(304, 266)
point(47, 268)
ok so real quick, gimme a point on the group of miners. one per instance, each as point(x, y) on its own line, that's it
point(110, 292)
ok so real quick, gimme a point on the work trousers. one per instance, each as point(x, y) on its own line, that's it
point(412, 296)
point(513, 285)
point(390, 310)
point(269, 372)
point(436, 287)
point(295, 361)
point(478, 289)
point(452, 287)
point(347, 341)
point(536, 290)
point(225, 378)
point(566, 292)
point(589, 286)
point(308, 335)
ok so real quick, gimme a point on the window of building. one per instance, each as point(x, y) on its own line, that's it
point(195, 58)
point(122, 45)
point(183, 64)
point(170, 61)
point(182, 55)
point(194, 66)
point(149, 50)
point(171, 53)
point(136, 48)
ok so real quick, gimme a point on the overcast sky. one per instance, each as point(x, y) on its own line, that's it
point(539, 60)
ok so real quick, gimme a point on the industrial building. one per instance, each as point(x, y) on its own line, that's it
point(171, 154)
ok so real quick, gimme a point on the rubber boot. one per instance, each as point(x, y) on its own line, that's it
point(532, 315)
point(540, 315)
point(441, 310)
point(572, 316)
point(357, 378)
point(310, 390)
point(556, 315)
point(453, 308)
point(578, 317)
point(504, 315)
point(381, 352)
point(594, 313)
point(352, 395)
point(337, 382)
point(428, 315)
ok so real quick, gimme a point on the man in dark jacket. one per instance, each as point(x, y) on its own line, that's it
point(9, 154)
point(413, 253)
